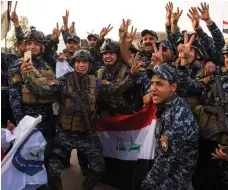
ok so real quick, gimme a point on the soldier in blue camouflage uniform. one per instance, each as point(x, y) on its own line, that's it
point(6, 111)
point(211, 173)
point(176, 134)
point(22, 102)
point(73, 132)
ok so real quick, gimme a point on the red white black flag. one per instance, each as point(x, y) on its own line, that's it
point(225, 27)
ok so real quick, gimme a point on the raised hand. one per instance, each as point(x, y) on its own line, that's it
point(176, 16)
point(194, 17)
point(14, 18)
point(131, 35)
point(56, 32)
point(123, 31)
point(157, 57)
point(169, 12)
point(135, 66)
point(105, 31)
point(65, 20)
point(184, 49)
point(204, 11)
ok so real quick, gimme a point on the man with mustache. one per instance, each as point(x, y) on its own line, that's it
point(149, 37)
point(176, 134)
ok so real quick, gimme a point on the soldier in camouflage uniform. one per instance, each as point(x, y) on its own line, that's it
point(210, 173)
point(115, 71)
point(6, 111)
point(21, 100)
point(95, 43)
point(73, 130)
point(176, 134)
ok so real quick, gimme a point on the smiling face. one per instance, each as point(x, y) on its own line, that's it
point(81, 66)
point(161, 89)
point(109, 58)
point(33, 46)
point(148, 41)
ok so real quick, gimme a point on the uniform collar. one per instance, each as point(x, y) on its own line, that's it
point(163, 107)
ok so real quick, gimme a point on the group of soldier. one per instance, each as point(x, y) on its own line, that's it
point(184, 76)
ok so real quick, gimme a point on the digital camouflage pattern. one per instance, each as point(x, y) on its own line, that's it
point(176, 154)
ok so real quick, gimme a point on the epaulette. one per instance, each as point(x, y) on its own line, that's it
point(205, 80)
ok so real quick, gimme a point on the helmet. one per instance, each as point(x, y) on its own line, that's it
point(225, 49)
point(110, 46)
point(82, 54)
point(164, 71)
point(92, 35)
point(35, 35)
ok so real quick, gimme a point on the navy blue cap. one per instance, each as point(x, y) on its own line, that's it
point(164, 71)
point(73, 38)
point(146, 31)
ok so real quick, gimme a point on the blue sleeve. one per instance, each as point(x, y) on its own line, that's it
point(15, 96)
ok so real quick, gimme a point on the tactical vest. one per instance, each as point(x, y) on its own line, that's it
point(209, 121)
point(193, 101)
point(42, 78)
point(115, 100)
point(74, 122)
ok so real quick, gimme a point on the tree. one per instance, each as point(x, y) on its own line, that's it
point(12, 38)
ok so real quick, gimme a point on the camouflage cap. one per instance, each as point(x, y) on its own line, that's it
point(73, 38)
point(164, 71)
point(165, 44)
point(92, 35)
point(146, 31)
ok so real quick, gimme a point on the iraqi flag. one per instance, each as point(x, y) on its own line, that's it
point(5, 18)
point(128, 145)
point(225, 27)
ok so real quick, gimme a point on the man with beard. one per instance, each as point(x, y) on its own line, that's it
point(149, 38)
point(75, 130)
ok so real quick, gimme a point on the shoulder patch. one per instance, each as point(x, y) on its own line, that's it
point(164, 143)
point(205, 80)
point(16, 79)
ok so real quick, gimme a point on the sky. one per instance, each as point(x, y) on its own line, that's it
point(94, 15)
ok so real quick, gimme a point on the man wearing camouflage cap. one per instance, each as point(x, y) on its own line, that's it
point(149, 37)
point(176, 134)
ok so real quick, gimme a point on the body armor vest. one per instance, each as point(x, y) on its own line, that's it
point(212, 125)
point(109, 99)
point(42, 78)
point(73, 121)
